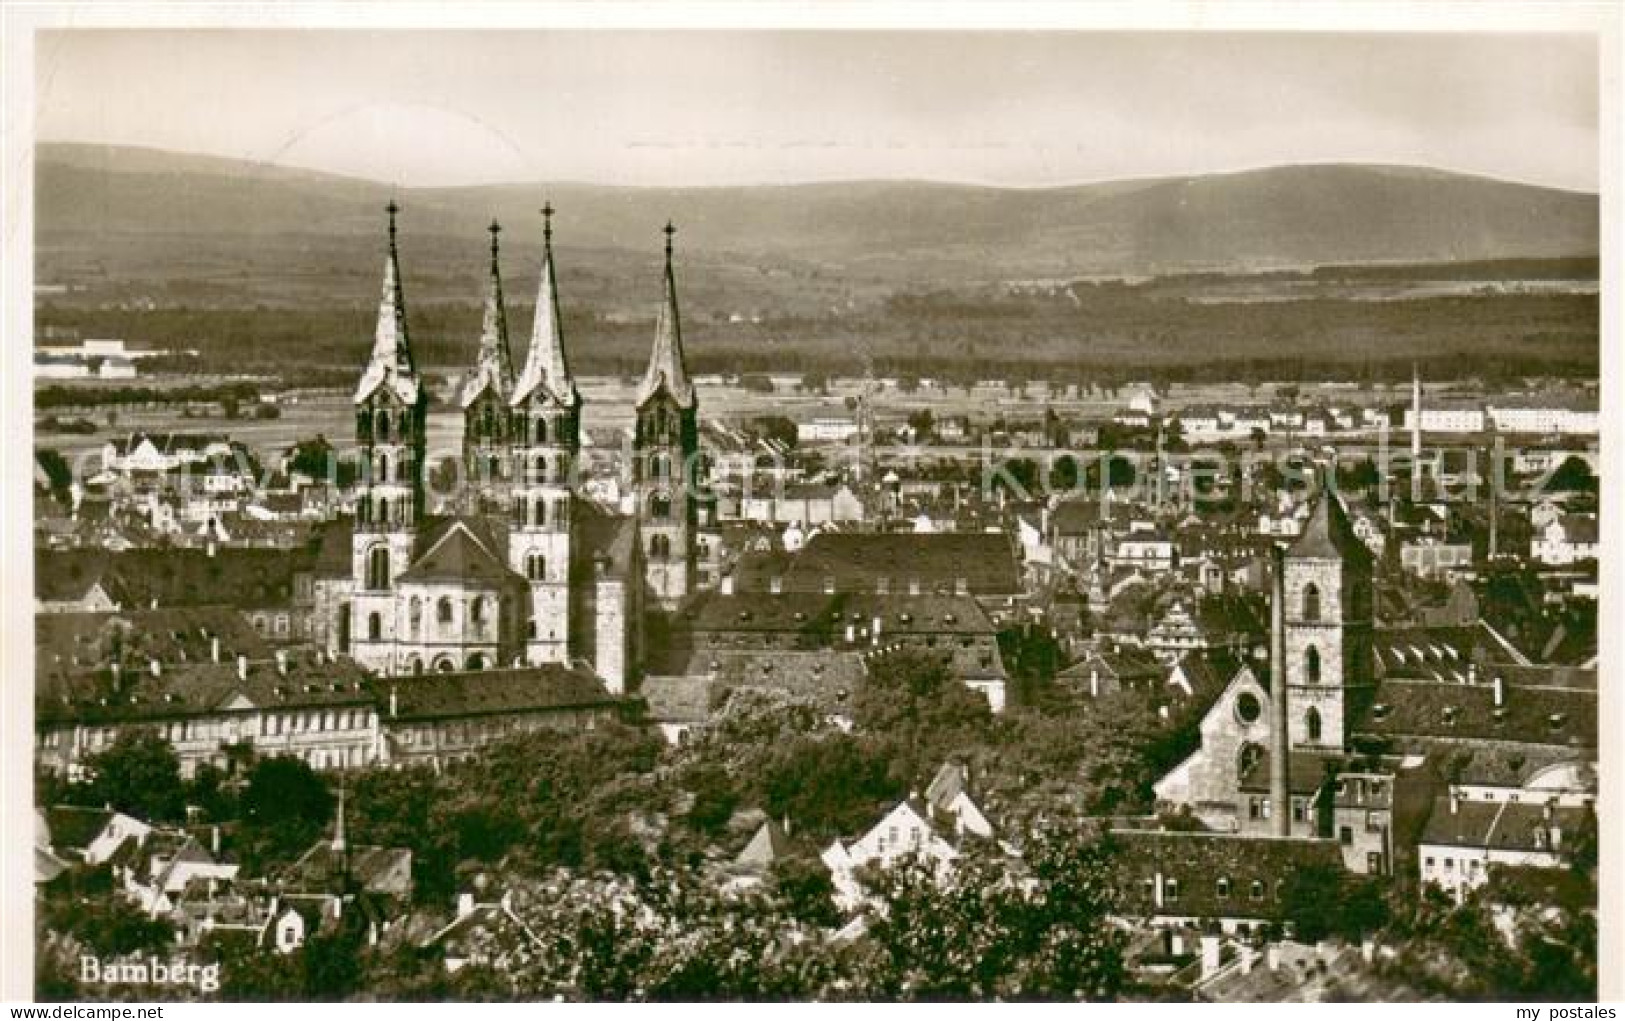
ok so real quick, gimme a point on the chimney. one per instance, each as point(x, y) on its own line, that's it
point(394, 701)
point(775, 584)
point(961, 587)
point(851, 634)
point(1272, 956)
point(1455, 802)
point(214, 648)
point(214, 840)
point(1210, 955)
point(1500, 692)
point(727, 584)
point(874, 630)
point(282, 662)
point(242, 668)
point(465, 905)
point(829, 585)
point(157, 668)
point(1280, 752)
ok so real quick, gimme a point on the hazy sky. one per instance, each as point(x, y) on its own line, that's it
point(687, 108)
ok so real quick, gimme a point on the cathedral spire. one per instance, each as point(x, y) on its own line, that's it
point(666, 365)
point(545, 367)
point(493, 366)
point(391, 360)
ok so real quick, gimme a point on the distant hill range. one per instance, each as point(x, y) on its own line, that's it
point(904, 233)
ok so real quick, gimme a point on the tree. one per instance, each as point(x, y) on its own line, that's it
point(1574, 475)
point(976, 932)
point(140, 774)
point(285, 807)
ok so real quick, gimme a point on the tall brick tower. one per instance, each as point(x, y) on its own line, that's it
point(1328, 621)
point(545, 428)
point(664, 464)
point(391, 406)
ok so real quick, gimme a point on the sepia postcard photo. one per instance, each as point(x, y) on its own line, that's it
point(527, 510)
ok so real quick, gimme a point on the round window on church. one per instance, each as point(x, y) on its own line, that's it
point(1247, 708)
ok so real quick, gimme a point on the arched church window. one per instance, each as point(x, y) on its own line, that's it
point(538, 469)
point(538, 512)
point(494, 468)
point(1311, 664)
point(1248, 758)
point(403, 426)
point(519, 512)
point(488, 422)
point(660, 506)
point(414, 617)
point(1311, 602)
point(476, 610)
point(536, 567)
point(383, 467)
point(659, 466)
point(363, 424)
point(378, 567)
point(375, 627)
point(381, 430)
point(344, 628)
point(443, 610)
point(383, 510)
point(659, 547)
point(1311, 723)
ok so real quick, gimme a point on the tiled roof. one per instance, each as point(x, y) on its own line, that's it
point(172, 577)
point(183, 690)
point(821, 675)
point(1307, 772)
point(604, 539)
point(1540, 715)
point(1199, 861)
point(769, 844)
point(822, 617)
point(681, 699)
point(484, 692)
point(938, 561)
point(1497, 825)
point(320, 869)
point(74, 642)
point(455, 552)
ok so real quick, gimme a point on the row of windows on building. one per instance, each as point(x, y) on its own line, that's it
point(379, 426)
point(384, 510)
point(479, 620)
point(520, 427)
point(533, 512)
point(1223, 889)
point(231, 728)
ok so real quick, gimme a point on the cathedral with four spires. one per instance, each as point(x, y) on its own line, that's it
point(525, 569)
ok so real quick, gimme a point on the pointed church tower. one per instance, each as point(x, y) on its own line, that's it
point(663, 463)
point(545, 430)
point(1328, 619)
point(485, 396)
point(391, 406)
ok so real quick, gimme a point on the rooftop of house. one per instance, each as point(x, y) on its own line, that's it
point(1198, 861)
point(489, 692)
point(1499, 825)
point(72, 642)
point(172, 577)
point(180, 690)
point(1530, 714)
point(985, 562)
point(827, 614)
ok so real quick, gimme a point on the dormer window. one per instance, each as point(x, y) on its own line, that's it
point(1450, 716)
point(1556, 721)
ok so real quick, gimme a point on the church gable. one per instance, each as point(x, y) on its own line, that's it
point(1209, 778)
point(457, 555)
